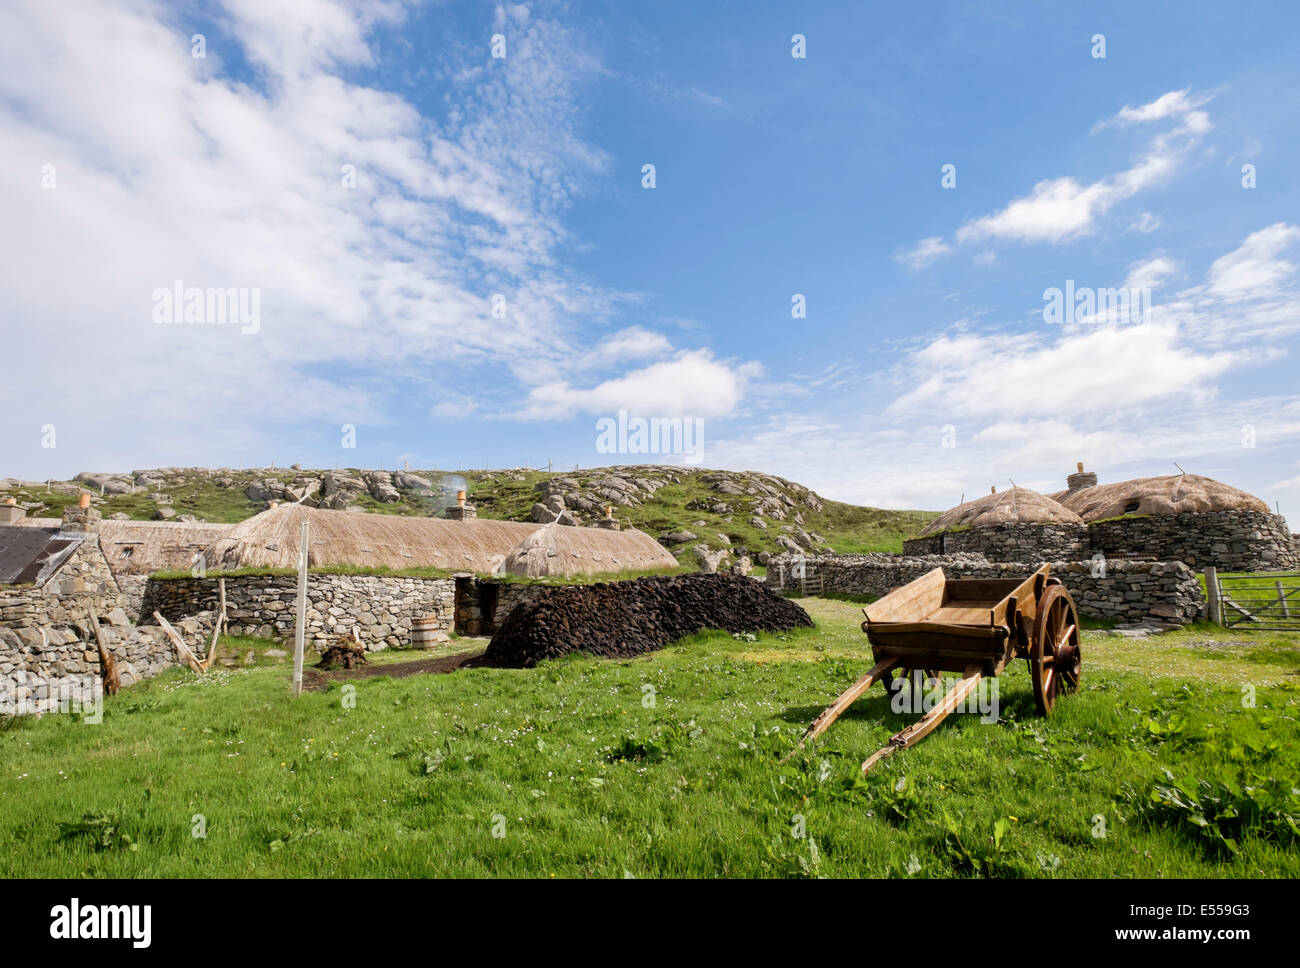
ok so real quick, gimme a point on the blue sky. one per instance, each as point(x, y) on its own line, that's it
point(923, 369)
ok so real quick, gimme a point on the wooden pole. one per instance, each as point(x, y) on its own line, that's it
point(108, 665)
point(1214, 610)
point(225, 622)
point(182, 649)
point(924, 726)
point(218, 626)
point(846, 699)
point(300, 632)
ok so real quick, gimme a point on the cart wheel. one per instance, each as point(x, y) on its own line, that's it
point(1055, 659)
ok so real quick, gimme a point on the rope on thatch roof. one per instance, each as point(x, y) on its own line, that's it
point(1020, 505)
point(269, 540)
point(1171, 494)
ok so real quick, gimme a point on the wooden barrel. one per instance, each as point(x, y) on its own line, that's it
point(425, 633)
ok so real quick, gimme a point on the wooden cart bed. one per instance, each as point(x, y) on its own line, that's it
point(947, 624)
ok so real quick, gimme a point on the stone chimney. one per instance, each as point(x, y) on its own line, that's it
point(82, 518)
point(608, 522)
point(460, 511)
point(10, 512)
point(1080, 480)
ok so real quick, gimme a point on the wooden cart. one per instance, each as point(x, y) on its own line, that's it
point(972, 626)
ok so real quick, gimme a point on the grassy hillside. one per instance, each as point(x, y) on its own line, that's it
point(719, 509)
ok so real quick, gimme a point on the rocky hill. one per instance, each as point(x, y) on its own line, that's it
point(704, 516)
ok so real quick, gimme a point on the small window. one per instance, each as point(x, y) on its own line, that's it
point(1132, 506)
point(126, 552)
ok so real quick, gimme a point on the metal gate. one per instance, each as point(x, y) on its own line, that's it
point(1267, 601)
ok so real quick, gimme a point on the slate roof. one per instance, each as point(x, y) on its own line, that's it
point(31, 555)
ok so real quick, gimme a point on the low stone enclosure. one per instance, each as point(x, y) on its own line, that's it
point(56, 668)
point(49, 657)
point(1009, 542)
point(382, 609)
point(1234, 540)
point(1127, 591)
point(1228, 540)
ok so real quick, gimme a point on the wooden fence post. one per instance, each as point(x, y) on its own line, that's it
point(300, 632)
point(1213, 607)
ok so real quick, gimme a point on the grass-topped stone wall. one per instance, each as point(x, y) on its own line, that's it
point(1228, 540)
point(380, 607)
point(1020, 541)
point(1126, 591)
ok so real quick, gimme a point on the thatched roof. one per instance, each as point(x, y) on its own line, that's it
point(1019, 505)
point(1175, 494)
point(556, 550)
point(270, 540)
point(143, 547)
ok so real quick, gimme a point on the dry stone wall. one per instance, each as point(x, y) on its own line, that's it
point(1009, 542)
point(380, 608)
point(48, 668)
point(1128, 591)
point(1228, 540)
point(483, 603)
point(866, 574)
point(132, 588)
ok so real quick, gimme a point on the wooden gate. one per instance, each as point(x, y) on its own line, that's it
point(801, 578)
point(1267, 601)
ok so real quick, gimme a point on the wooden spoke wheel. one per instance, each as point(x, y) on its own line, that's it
point(1055, 658)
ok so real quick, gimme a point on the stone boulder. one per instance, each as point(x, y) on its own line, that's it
point(679, 537)
point(710, 561)
point(338, 483)
point(407, 481)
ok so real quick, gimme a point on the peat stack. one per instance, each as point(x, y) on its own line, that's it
point(345, 653)
point(627, 618)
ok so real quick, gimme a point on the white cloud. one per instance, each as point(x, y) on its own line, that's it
point(1254, 270)
point(453, 407)
point(1092, 371)
point(1290, 484)
point(1056, 210)
point(693, 384)
point(1145, 223)
point(923, 253)
point(632, 343)
point(1151, 273)
point(169, 169)
point(1060, 209)
point(1173, 104)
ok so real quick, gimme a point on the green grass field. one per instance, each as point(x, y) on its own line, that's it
point(668, 766)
